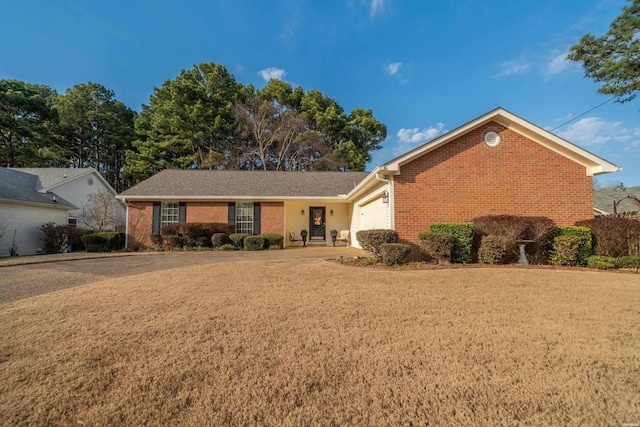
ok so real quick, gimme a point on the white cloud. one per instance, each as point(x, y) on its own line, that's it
point(591, 131)
point(557, 63)
point(377, 6)
point(418, 136)
point(514, 67)
point(393, 68)
point(272, 73)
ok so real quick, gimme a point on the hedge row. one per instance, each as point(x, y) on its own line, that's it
point(103, 242)
point(496, 239)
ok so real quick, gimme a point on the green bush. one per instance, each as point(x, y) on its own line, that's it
point(273, 240)
point(492, 249)
point(565, 250)
point(103, 242)
point(437, 246)
point(394, 253)
point(220, 239)
point(462, 233)
point(614, 236)
point(238, 239)
point(601, 262)
point(586, 241)
point(254, 243)
point(628, 261)
point(370, 240)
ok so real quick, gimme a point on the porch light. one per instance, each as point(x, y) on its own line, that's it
point(302, 212)
point(385, 197)
point(331, 212)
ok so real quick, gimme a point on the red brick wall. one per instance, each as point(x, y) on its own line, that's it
point(208, 212)
point(141, 216)
point(272, 217)
point(466, 178)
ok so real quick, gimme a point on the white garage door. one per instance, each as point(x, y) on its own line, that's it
point(373, 215)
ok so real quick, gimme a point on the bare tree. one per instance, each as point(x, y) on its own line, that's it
point(102, 212)
point(277, 138)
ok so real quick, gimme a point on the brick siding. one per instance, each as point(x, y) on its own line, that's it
point(466, 178)
point(141, 216)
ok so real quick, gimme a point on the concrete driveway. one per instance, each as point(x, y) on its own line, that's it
point(24, 277)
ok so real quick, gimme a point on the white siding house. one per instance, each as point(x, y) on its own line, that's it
point(77, 185)
point(21, 226)
point(24, 208)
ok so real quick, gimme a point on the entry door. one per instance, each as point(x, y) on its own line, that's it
point(317, 223)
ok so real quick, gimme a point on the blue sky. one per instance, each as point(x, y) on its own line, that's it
point(423, 67)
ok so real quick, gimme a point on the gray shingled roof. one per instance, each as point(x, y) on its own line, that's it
point(603, 199)
point(52, 176)
point(23, 187)
point(207, 183)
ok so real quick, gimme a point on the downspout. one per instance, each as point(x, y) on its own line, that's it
point(389, 189)
point(126, 224)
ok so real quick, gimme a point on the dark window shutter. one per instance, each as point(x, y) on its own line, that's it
point(155, 221)
point(256, 218)
point(182, 212)
point(232, 213)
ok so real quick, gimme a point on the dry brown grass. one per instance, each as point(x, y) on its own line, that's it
point(315, 343)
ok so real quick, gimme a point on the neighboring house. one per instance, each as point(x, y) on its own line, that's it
point(625, 199)
point(495, 164)
point(24, 207)
point(79, 186)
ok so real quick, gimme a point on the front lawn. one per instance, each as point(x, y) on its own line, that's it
point(311, 342)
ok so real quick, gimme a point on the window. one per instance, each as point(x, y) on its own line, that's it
point(73, 221)
point(244, 217)
point(170, 213)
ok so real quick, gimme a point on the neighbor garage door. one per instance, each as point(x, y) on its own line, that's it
point(373, 215)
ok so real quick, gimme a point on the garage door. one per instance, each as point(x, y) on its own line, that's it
point(373, 215)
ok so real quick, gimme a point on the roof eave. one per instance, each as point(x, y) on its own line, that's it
point(52, 205)
point(339, 197)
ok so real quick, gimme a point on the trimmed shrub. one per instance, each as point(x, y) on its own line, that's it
point(437, 246)
point(197, 233)
point(540, 229)
point(254, 243)
point(394, 253)
point(614, 236)
point(273, 240)
point(492, 249)
point(586, 241)
point(106, 241)
point(370, 240)
point(238, 238)
point(601, 262)
point(565, 250)
point(462, 233)
point(220, 239)
point(628, 261)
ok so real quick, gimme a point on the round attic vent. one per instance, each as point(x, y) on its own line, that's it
point(491, 139)
point(90, 181)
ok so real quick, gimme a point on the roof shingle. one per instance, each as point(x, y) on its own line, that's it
point(258, 184)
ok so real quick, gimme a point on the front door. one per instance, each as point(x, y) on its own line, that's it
point(317, 224)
